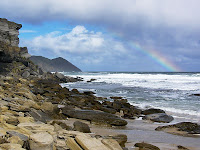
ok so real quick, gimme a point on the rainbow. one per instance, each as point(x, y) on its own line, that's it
point(157, 57)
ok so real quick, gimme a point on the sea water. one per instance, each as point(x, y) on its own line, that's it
point(172, 92)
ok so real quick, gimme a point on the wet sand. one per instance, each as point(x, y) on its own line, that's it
point(144, 131)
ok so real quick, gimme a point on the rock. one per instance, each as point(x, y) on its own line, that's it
point(25, 119)
point(88, 143)
point(160, 117)
point(95, 116)
point(41, 141)
point(188, 127)
point(120, 138)
point(37, 127)
point(23, 137)
point(9, 32)
point(112, 144)
point(82, 127)
point(15, 140)
point(182, 147)
point(91, 80)
point(72, 144)
point(152, 111)
point(108, 110)
point(25, 74)
point(117, 105)
point(59, 75)
point(88, 92)
point(12, 120)
point(146, 146)
point(47, 107)
point(62, 124)
point(38, 115)
point(11, 146)
point(61, 144)
point(195, 95)
point(75, 91)
point(3, 138)
point(116, 97)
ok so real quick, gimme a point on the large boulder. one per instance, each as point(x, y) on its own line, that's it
point(159, 117)
point(41, 141)
point(152, 111)
point(95, 116)
point(82, 127)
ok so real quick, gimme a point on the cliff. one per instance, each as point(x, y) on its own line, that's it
point(54, 65)
point(14, 59)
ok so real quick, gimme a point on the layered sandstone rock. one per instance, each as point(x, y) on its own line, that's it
point(9, 32)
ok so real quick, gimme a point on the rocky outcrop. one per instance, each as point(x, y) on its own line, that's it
point(31, 103)
point(182, 128)
point(9, 32)
point(54, 65)
point(95, 117)
point(14, 59)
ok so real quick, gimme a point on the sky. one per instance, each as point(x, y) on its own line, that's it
point(111, 35)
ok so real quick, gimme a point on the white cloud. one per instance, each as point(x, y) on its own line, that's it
point(27, 31)
point(90, 46)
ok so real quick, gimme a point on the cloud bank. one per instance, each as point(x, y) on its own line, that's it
point(170, 27)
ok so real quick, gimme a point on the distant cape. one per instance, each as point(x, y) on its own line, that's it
point(54, 65)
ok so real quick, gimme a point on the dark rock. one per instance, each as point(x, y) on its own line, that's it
point(160, 117)
point(62, 124)
point(189, 127)
point(108, 110)
point(95, 116)
point(182, 147)
point(152, 111)
point(108, 104)
point(21, 136)
point(75, 91)
point(117, 105)
point(116, 97)
point(146, 146)
point(195, 94)
point(91, 80)
point(89, 92)
point(25, 74)
point(82, 127)
point(38, 115)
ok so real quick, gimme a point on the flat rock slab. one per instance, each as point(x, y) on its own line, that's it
point(187, 127)
point(71, 143)
point(41, 141)
point(90, 143)
point(95, 116)
point(112, 144)
point(146, 146)
point(159, 117)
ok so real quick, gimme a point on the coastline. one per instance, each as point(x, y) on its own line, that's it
point(36, 112)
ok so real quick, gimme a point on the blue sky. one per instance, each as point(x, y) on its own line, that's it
point(103, 35)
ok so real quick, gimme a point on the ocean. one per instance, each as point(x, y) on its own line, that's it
point(172, 92)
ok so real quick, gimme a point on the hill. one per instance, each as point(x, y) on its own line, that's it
point(54, 65)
